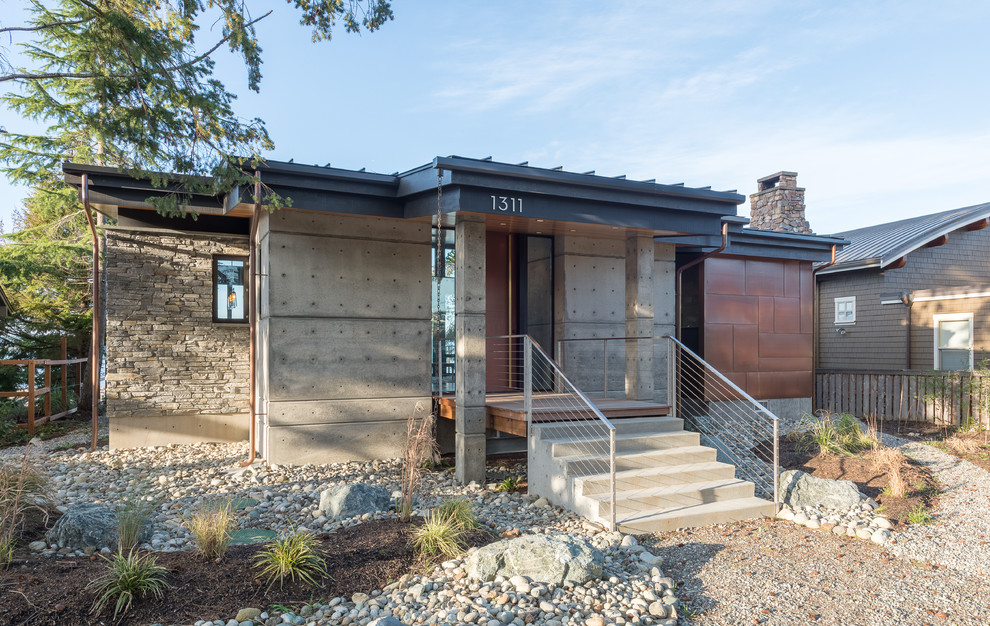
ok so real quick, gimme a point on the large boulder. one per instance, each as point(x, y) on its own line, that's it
point(799, 489)
point(555, 559)
point(88, 526)
point(356, 499)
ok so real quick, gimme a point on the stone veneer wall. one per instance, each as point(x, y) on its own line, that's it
point(779, 204)
point(165, 356)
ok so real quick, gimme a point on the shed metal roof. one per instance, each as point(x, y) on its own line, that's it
point(883, 244)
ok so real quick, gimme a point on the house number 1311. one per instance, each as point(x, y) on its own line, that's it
point(505, 203)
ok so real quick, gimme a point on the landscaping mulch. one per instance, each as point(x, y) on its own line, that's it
point(922, 488)
point(361, 558)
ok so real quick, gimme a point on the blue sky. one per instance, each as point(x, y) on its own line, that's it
point(881, 107)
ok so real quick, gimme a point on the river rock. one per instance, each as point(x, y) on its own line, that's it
point(87, 525)
point(801, 489)
point(344, 501)
point(547, 559)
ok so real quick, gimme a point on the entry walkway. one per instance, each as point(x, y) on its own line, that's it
point(505, 411)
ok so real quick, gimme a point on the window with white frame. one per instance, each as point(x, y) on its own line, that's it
point(845, 310)
point(954, 341)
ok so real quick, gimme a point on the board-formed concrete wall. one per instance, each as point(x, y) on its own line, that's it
point(589, 301)
point(172, 375)
point(346, 312)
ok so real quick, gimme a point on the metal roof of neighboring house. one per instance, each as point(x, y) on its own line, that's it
point(884, 244)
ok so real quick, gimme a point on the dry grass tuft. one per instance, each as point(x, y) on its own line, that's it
point(419, 447)
point(22, 488)
point(891, 460)
point(962, 444)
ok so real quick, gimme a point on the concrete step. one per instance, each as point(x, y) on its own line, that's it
point(564, 446)
point(623, 425)
point(696, 515)
point(659, 498)
point(660, 476)
point(584, 464)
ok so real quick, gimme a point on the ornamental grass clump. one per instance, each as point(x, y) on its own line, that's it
point(830, 434)
point(133, 512)
point(128, 578)
point(461, 511)
point(441, 533)
point(212, 528)
point(294, 556)
point(22, 489)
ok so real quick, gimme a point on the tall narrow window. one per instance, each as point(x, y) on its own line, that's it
point(954, 341)
point(229, 289)
point(845, 310)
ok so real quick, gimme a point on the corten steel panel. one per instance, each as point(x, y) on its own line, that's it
point(725, 276)
point(746, 348)
point(785, 384)
point(807, 299)
point(718, 346)
point(792, 278)
point(785, 345)
point(720, 309)
point(787, 316)
point(764, 278)
point(766, 312)
point(785, 364)
point(772, 341)
point(497, 369)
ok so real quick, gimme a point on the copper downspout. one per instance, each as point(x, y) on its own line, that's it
point(815, 323)
point(680, 272)
point(94, 356)
point(252, 321)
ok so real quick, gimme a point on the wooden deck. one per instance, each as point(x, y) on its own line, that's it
point(505, 411)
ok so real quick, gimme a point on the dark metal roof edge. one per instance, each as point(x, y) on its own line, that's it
point(770, 235)
point(852, 266)
point(455, 163)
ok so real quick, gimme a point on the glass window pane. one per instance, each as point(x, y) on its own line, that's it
point(954, 334)
point(230, 300)
point(954, 359)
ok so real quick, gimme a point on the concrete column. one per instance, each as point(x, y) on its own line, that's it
point(469, 277)
point(640, 258)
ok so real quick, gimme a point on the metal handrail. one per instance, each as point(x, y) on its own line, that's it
point(672, 382)
point(528, 345)
point(774, 419)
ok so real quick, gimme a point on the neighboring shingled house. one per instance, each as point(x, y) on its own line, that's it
point(911, 294)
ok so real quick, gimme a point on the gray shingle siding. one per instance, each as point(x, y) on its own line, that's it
point(877, 339)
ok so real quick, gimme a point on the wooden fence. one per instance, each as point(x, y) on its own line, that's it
point(33, 391)
point(944, 398)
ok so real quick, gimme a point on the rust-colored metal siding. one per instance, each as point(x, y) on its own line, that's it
point(758, 324)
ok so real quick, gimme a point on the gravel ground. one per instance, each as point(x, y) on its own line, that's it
point(757, 572)
point(82, 437)
point(960, 537)
point(773, 572)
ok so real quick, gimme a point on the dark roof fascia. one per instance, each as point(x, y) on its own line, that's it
point(772, 244)
point(852, 266)
point(111, 186)
point(560, 178)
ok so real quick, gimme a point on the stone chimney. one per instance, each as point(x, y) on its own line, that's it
point(779, 204)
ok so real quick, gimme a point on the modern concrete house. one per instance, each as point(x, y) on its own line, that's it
point(341, 291)
point(908, 295)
